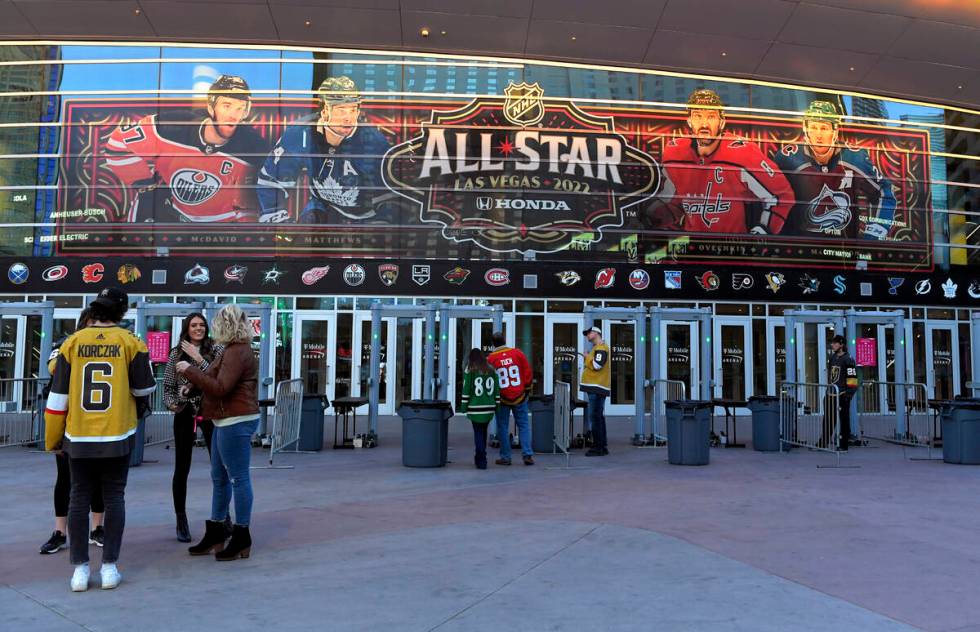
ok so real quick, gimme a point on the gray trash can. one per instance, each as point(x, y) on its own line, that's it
point(765, 422)
point(542, 409)
point(961, 432)
point(688, 432)
point(311, 423)
point(425, 432)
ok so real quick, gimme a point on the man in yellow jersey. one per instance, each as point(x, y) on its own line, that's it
point(91, 415)
point(595, 383)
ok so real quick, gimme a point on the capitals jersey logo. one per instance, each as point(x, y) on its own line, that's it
point(705, 207)
point(829, 212)
point(193, 186)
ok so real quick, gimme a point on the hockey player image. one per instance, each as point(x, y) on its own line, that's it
point(189, 168)
point(718, 183)
point(341, 159)
point(839, 192)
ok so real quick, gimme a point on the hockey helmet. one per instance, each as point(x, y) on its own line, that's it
point(705, 97)
point(337, 91)
point(822, 111)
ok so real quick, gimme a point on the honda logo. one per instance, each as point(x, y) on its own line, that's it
point(484, 203)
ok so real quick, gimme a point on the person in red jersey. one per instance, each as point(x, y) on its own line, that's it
point(183, 167)
point(717, 183)
point(516, 379)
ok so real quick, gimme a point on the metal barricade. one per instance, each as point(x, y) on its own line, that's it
point(664, 391)
point(21, 411)
point(563, 418)
point(286, 418)
point(159, 425)
point(880, 420)
point(809, 416)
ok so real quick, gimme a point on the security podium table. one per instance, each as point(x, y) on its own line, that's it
point(729, 406)
point(346, 406)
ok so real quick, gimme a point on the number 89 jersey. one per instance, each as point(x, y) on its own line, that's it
point(98, 371)
point(513, 373)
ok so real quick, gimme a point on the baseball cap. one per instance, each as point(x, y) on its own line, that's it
point(841, 340)
point(112, 297)
point(592, 330)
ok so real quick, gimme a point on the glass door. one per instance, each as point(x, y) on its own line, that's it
point(620, 336)
point(315, 353)
point(467, 334)
point(943, 381)
point(681, 355)
point(776, 362)
point(563, 344)
point(732, 356)
point(361, 360)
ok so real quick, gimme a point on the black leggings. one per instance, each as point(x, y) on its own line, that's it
point(184, 436)
point(62, 489)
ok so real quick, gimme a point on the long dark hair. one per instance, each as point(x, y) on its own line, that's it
point(477, 362)
point(207, 345)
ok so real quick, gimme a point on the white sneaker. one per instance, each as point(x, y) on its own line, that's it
point(79, 579)
point(110, 576)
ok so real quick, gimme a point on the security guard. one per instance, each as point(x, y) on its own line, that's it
point(843, 374)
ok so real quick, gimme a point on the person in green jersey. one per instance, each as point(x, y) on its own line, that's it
point(480, 398)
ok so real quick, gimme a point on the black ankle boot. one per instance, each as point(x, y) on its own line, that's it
point(239, 546)
point(213, 541)
point(227, 525)
point(183, 530)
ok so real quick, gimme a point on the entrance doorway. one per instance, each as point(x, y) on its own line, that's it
point(942, 346)
point(732, 359)
point(314, 344)
point(563, 342)
point(466, 334)
point(680, 353)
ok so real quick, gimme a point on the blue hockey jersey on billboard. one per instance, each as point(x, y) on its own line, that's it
point(344, 181)
point(847, 197)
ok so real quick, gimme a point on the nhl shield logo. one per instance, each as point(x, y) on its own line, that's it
point(523, 105)
point(388, 273)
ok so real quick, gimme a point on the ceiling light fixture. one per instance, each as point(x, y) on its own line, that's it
point(852, 68)
point(574, 38)
point(137, 11)
point(307, 23)
point(724, 54)
point(442, 32)
point(424, 31)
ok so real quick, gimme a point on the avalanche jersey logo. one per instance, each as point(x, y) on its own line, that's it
point(829, 212)
point(193, 186)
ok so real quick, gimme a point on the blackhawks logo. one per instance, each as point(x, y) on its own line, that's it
point(519, 174)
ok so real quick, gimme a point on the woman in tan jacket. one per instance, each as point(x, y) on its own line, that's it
point(230, 398)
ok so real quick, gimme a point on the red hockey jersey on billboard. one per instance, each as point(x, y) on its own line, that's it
point(180, 177)
point(735, 189)
point(513, 373)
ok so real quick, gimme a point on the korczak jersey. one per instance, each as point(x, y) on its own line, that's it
point(91, 410)
point(736, 189)
point(848, 197)
point(191, 180)
point(344, 180)
point(513, 373)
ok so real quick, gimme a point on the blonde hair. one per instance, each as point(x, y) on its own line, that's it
point(231, 326)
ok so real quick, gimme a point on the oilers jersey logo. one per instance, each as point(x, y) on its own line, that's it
point(829, 212)
point(193, 186)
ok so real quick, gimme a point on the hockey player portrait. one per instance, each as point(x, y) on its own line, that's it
point(341, 159)
point(715, 182)
point(839, 191)
point(185, 167)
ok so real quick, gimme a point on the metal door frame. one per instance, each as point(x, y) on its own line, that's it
point(329, 317)
point(745, 322)
point(548, 388)
point(357, 342)
point(953, 327)
point(695, 356)
point(640, 330)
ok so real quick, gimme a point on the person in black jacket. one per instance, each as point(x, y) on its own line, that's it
point(842, 372)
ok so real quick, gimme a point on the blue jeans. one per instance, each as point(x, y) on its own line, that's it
point(596, 415)
point(523, 428)
point(231, 453)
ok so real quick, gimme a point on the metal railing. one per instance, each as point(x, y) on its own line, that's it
point(286, 419)
point(159, 426)
point(880, 420)
point(21, 410)
point(809, 416)
point(664, 391)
